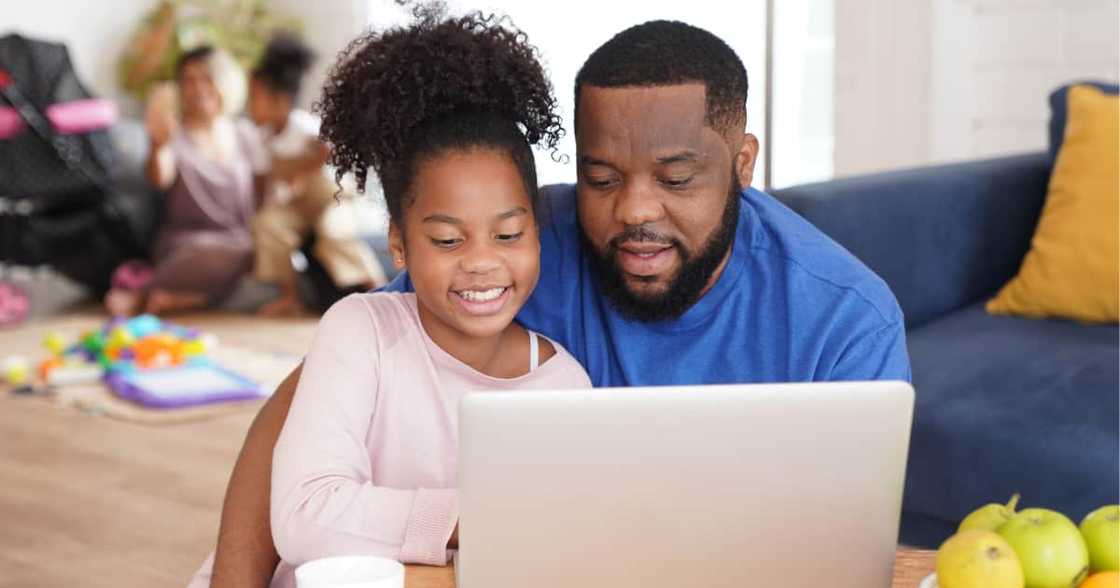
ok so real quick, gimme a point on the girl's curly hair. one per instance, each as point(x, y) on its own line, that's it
point(398, 96)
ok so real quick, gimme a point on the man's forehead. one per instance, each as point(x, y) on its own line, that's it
point(688, 100)
point(644, 117)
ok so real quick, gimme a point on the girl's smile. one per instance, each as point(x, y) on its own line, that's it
point(482, 301)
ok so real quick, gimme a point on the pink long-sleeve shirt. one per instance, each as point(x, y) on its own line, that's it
point(366, 462)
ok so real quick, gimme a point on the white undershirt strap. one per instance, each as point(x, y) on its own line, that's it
point(534, 352)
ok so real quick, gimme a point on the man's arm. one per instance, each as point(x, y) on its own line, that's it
point(245, 554)
point(878, 355)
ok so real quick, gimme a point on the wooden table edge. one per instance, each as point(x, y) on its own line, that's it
point(910, 567)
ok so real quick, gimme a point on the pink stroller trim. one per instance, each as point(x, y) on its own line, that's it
point(10, 122)
point(68, 118)
point(81, 116)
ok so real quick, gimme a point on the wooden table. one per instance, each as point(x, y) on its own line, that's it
point(910, 566)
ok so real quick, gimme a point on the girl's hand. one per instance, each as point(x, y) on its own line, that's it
point(160, 116)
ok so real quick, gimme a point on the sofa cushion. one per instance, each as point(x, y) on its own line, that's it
point(1071, 270)
point(1059, 111)
point(1010, 405)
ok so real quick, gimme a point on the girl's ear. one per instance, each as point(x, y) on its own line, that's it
point(396, 247)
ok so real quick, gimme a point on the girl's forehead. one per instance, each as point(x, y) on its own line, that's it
point(470, 185)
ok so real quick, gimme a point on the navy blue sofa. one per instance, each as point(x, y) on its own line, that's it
point(1004, 404)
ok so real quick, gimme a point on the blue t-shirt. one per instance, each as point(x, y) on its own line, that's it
point(790, 306)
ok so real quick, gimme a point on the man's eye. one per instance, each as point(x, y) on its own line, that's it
point(677, 182)
point(597, 183)
point(509, 237)
point(445, 243)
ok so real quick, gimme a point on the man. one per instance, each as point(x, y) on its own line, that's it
point(661, 268)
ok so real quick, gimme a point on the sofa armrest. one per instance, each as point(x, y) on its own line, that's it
point(942, 237)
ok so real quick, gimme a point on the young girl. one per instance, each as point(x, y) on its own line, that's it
point(299, 195)
point(445, 112)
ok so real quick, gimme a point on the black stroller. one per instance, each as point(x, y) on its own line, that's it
point(60, 203)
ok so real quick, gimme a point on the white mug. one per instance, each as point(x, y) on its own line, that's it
point(350, 571)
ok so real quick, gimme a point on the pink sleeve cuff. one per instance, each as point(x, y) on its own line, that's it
point(430, 524)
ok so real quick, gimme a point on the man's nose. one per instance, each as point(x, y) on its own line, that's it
point(637, 205)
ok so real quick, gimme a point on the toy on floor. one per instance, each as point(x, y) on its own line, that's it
point(144, 342)
point(17, 371)
point(143, 359)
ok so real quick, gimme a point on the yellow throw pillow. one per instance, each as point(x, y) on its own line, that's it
point(1073, 268)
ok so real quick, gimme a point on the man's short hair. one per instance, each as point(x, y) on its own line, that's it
point(663, 53)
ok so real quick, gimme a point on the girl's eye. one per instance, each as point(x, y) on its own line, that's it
point(445, 243)
point(509, 237)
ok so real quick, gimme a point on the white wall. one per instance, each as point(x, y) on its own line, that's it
point(933, 81)
point(882, 108)
point(995, 63)
point(96, 32)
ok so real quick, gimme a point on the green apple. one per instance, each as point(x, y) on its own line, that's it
point(1101, 530)
point(978, 559)
point(1049, 547)
point(990, 516)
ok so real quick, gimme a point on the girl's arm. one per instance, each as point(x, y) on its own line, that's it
point(323, 500)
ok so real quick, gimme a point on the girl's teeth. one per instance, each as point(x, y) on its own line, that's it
point(483, 295)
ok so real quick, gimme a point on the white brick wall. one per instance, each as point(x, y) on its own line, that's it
point(882, 84)
point(931, 81)
point(996, 61)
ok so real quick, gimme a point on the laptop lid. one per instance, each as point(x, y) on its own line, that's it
point(793, 485)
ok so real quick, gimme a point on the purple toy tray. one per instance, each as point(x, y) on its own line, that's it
point(187, 385)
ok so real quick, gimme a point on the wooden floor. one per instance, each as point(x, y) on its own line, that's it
point(86, 500)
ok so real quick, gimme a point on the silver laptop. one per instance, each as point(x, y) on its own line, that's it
point(785, 485)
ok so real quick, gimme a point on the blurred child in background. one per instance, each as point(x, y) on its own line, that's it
point(298, 192)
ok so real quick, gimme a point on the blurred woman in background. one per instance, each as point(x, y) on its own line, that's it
point(206, 161)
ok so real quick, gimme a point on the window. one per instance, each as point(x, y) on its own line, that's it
point(802, 134)
point(567, 33)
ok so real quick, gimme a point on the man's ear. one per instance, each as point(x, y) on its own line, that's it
point(396, 247)
point(743, 161)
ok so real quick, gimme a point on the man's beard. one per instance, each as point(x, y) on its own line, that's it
point(685, 289)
